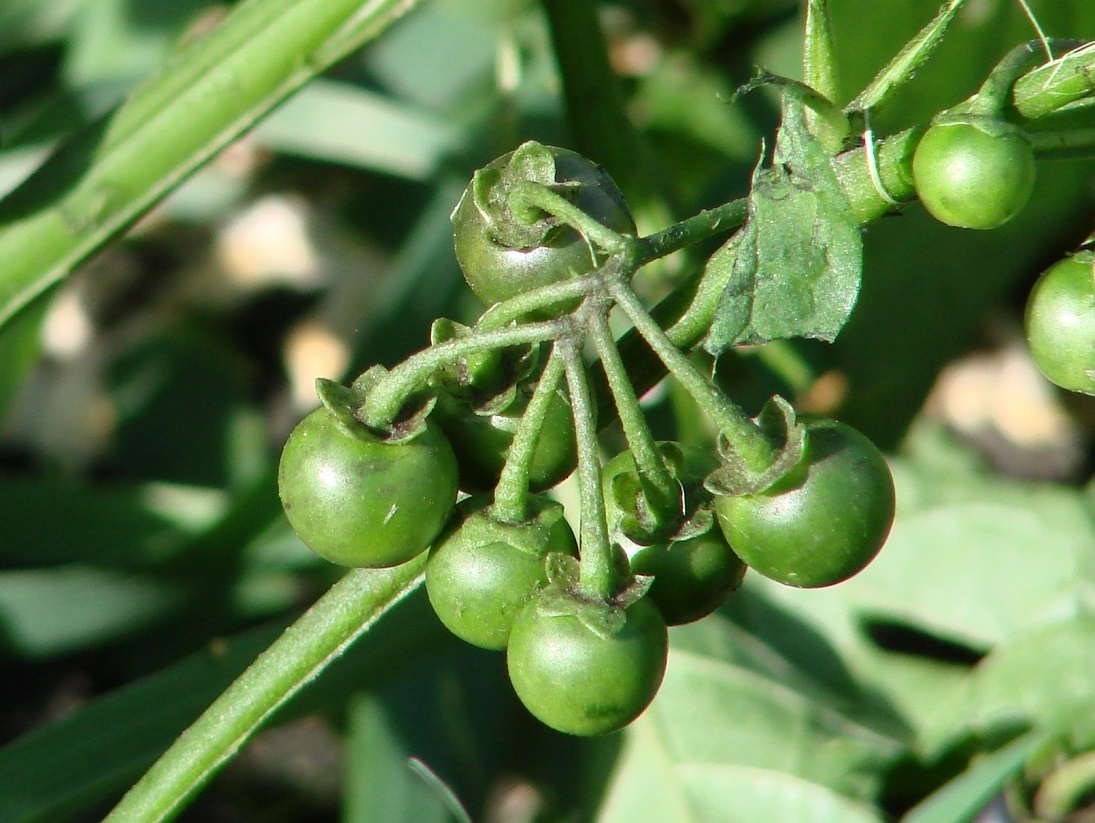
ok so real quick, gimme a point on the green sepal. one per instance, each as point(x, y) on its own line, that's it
point(486, 381)
point(343, 404)
point(634, 591)
point(734, 477)
point(606, 620)
point(531, 536)
point(563, 571)
point(340, 400)
point(632, 516)
point(508, 223)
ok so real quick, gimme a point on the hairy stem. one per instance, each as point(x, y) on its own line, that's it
point(511, 493)
point(346, 611)
point(659, 486)
point(388, 395)
point(597, 575)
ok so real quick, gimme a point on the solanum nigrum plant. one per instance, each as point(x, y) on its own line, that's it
point(1060, 323)
point(506, 407)
point(544, 238)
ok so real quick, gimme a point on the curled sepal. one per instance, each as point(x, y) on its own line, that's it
point(629, 511)
point(627, 504)
point(343, 404)
point(532, 536)
point(485, 380)
point(636, 589)
point(412, 417)
point(778, 422)
point(492, 190)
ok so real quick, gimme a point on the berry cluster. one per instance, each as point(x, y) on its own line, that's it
point(504, 410)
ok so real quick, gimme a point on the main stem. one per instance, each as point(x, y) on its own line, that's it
point(345, 612)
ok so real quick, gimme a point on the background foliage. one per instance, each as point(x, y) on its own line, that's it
point(144, 560)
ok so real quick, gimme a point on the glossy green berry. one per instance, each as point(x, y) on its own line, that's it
point(976, 175)
point(1060, 323)
point(482, 572)
point(822, 522)
point(357, 500)
point(693, 576)
point(482, 441)
point(586, 668)
point(495, 269)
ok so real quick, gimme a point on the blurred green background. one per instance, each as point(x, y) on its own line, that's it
point(144, 559)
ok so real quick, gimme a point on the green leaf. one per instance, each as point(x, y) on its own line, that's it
point(1041, 677)
point(1001, 556)
point(794, 268)
point(738, 732)
point(648, 786)
point(961, 799)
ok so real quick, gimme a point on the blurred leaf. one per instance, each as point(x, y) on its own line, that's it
point(50, 521)
point(20, 343)
point(1043, 677)
point(339, 123)
point(961, 799)
point(25, 22)
point(1001, 557)
point(455, 712)
point(125, 39)
point(379, 785)
point(180, 385)
point(441, 53)
point(421, 285)
point(96, 751)
point(58, 611)
point(733, 713)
